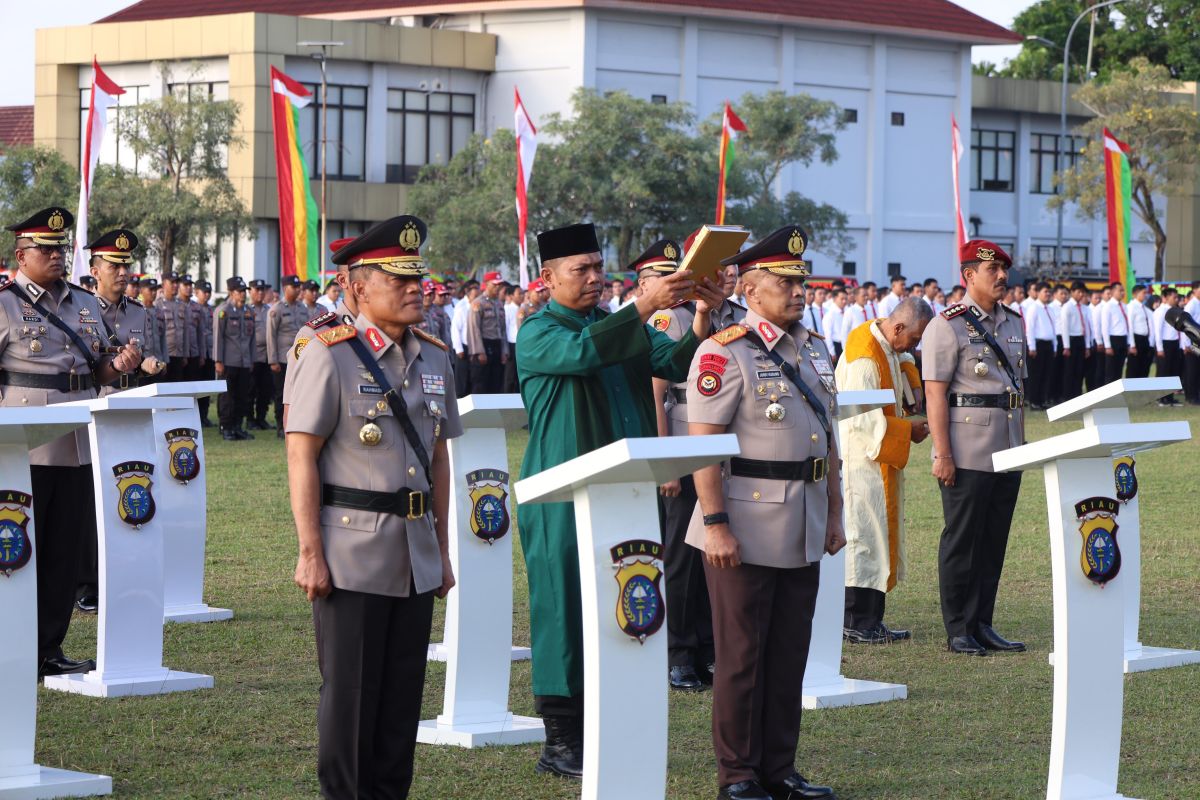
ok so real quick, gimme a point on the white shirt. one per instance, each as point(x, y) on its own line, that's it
point(1139, 317)
point(852, 317)
point(1160, 331)
point(615, 305)
point(1193, 307)
point(936, 306)
point(1114, 322)
point(813, 318)
point(510, 321)
point(871, 310)
point(1027, 306)
point(1095, 317)
point(1039, 325)
point(1073, 320)
point(458, 326)
point(888, 304)
point(326, 303)
point(831, 326)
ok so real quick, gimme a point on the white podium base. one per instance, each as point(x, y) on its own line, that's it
point(439, 652)
point(852, 692)
point(47, 782)
point(1144, 659)
point(518, 730)
point(196, 612)
point(127, 686)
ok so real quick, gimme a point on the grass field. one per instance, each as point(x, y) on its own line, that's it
point(971, 728)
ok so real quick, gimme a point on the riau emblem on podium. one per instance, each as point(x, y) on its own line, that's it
point(1125, 478)
point(15, 547)
point(136, 505)
point(1100, 557)
point(185, 461)
point(639, 580)
point(488, 489)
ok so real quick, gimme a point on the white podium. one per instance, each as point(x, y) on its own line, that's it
point(824, 684)
point(1089, 600)
point(478, 646)
point(1110, 404)
point(20, 777)
point(129, 634)
point(615, 491)
point(183, 499)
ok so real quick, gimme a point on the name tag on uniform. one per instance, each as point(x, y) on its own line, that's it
point(135, 330)
point(1015, 339)
point(369, 388)
point(769, 373)
point(433, 384)
point(31, 318)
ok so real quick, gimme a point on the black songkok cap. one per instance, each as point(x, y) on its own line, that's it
point(573, 240)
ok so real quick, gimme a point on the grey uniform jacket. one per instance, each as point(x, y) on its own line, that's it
point(125, 319)
point(284, 321)
point(778, 523)
point(233, 335)
point(369, 551)
point(950, 353)
point(260, 332)
point(327, 319)
point(198, 337)
point(486, 321)
point(30, 343)
point(178, 334)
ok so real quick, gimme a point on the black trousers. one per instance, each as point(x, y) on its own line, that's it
point(176, 368)
point(762, 621)
point(1041, 372)
point(1114, 365)
point(232, 403)
point(1191, 375)
point(1168, 363)
point(1095, 368)
point(204, 372)
point(488, 378)
point(277, 379)
point(371, 650)
point(1139, 364)
point(978, 511)
point(462, 373)
point(689, 617)
point(1074, 367)
point(510, 370)
point(864, 608)
point(262, 391)
point(64, 522)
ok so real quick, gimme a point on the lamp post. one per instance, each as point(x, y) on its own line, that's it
point(321, 58)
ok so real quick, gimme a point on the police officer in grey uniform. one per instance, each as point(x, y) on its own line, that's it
point(186, 288)
point(53, 344)
point(173, 314)
point(372, 407)
point(233, 358)
point(487, 338)
point(973, 365)
point(284, 321)
point(156, 341)
point(262, 387)
point(764, 519)
point(203, 313)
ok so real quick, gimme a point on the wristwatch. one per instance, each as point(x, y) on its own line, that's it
point(720, 518)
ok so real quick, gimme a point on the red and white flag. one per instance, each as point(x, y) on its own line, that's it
point(526, 135)
point(954, 163)
point(103, 96)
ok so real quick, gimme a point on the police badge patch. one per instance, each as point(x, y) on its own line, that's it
point(661, 322)
point(640, 608)
point(488, 490)
point(1100, 557)
point(15, 546)
point(1125, 478)
point(185, 461)
point(136, 503)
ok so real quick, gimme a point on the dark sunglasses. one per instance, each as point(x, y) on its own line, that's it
point(46, 249)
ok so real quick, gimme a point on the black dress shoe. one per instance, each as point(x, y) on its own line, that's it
point(708, 673)
point(685, 679)
point(874, 635)
point(88, 603)
point(261, 424)
point(743, 790)
point(61, 665)
point(228, 435)
point(796, 788)
point(965, 645)
point(562, 754)
point(279, 433)
point(204, 423)
point(243, 434)
point(987, 636)
point(896, 634)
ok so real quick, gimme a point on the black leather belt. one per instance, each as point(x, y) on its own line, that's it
point(811, 469)
point(62, 382)
point(402, 502)
point(1007, 400)
point(126, 381)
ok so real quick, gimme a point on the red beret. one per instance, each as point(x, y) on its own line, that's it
point(979, 250)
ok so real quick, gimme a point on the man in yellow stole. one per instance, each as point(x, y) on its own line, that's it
point(875, 448)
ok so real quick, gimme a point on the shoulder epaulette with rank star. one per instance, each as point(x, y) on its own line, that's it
point(954, 310)
point(429, 337)
point(321, 319)
point(730, 334)
point(137, 303)
point(815, 335)
point(341, 333)
point(7, 285)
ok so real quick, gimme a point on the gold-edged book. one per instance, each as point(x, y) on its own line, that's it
point(713, 244)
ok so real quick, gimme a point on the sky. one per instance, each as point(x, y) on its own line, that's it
point(22, 18)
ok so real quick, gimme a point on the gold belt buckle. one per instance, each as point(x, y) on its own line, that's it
point(819, 469)
point(74, 382)
point(416, 505)
point(124, 380)
point(1014, 400)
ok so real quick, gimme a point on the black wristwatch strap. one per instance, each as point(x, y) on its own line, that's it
point(720, 518)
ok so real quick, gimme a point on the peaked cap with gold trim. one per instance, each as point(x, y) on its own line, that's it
point(392, 246)
point(780, 253)
point(48, 226)
point(662, 256)
point(115, 247)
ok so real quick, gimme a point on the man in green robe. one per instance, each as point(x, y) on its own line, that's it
point(585, 378)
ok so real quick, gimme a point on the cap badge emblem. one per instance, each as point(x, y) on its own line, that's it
point(669, 252)
point(56, 221)
point(795, 243)
point(122, 242)
point(410, 237)
point(985, 254)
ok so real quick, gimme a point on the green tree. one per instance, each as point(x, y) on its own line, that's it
point(33, 178)
point(181, 195)
point(1164, 138)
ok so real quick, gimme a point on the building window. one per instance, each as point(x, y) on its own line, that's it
point(347, 132)
point(425, 128)
point(1043, 156)
point(893, 269)
point(850, 115)
point(115, 148)
point(898, 118)
point(992, 160)
point(200, 90)
point(1074, 260)
point(658, 99)
point(849, 268)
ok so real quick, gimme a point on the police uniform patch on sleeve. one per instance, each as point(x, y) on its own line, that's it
point(711, 362)
point(708, 383)
point(661, 322)
point(321, 319)
point(954, 310)
point(341, 333)
point(730, 334)
point(299, 348)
